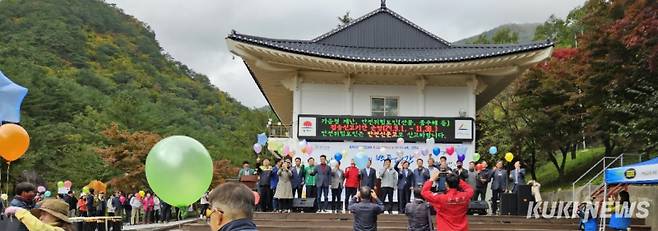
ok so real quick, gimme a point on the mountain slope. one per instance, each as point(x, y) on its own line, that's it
point(88, 65)
point(526, 32)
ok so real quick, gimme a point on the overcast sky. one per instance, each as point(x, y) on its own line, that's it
point(193, 31)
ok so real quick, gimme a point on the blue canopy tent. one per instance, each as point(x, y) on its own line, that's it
point(639, 173)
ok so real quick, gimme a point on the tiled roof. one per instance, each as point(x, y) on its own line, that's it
point(452, 53)
point(384, 36)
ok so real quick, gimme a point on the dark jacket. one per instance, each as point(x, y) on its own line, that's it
point(365, 214)
point(20, 202)
point(297, 179)
point(484, 177)
point(264, 175)
point(91, 205)
point(274, 177)
point(462, 175)
point(368, 178)
point(418, 212)
point(404, 182)
point(322, 177)
point(521, 176)
point(116, 203)
point(239, 225)
point(499, 181)
point(420, 176)
point(72, 201)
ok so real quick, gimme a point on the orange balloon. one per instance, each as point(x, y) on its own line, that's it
point(98, 186)
point(14, 141)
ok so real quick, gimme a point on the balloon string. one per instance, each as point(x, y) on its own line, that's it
point(7, 186)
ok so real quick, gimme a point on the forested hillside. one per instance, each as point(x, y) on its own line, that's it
point(88, 65)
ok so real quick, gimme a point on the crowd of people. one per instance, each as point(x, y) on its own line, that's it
point(279, 183)
point(137, 208)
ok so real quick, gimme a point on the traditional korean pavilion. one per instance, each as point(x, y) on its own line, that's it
point(379, 78)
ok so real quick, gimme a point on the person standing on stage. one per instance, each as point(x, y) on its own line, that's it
point(352, 181)
point(266, 195)
point(389, 179)
point(451, 206)
point(421, 174)
point(517, 176)
point(405, 185)
point(483, 179)
point(309, 180)
point(322, 175)
point(297, 180)
point(461, 172)
point(283, 191)
point(368, 175)
point(498, 185)
point(337, 178)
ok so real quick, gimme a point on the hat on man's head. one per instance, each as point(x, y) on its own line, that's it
point(54, 207)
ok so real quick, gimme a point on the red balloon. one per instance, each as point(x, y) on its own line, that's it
point(256, 197)
point(450, 150)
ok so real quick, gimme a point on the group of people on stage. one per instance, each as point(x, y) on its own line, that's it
point(285, 179)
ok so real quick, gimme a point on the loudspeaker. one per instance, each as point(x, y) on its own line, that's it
point(524, 198)
point(303, 204)
point(508, 204)
point(478, 207)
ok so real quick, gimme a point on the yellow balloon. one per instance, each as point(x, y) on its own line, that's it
point(509, 157)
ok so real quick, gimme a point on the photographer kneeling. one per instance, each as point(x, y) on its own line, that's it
point(451, 206)
point(365, 206)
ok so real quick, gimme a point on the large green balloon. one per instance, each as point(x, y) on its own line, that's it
point(179, 170)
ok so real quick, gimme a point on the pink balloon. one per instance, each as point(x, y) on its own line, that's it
point(256, 198)
point(286, 149)
point(68, 184)
point(450, 150)
point(258, 148)
point(41, 189)
point(309, 149)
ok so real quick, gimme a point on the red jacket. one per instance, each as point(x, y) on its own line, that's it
point(352, 177)
point(451, 207)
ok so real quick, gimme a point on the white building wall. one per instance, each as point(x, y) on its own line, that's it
point(333, 99)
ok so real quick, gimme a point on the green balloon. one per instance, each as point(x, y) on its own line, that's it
point(476, 156)
point(60, 184)
point(179, 170)
point(85, 190)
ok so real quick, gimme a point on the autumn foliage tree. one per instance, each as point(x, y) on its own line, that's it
point(127, 151)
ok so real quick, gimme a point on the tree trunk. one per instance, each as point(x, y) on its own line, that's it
point(609, 145)
point(573, 151)
point(532, 164)
point(560, 171)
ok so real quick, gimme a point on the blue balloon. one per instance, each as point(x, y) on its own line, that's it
point(262, 139)
point(360, 160)
point(338, 156)
point(11, 97)
point(47, 194)
point(493, 150)
point(436, 151)
point(461, 158)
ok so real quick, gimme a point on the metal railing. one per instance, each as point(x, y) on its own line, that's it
point(604, 167)
point(279, 131)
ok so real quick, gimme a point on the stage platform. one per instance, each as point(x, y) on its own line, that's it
point(343, 222)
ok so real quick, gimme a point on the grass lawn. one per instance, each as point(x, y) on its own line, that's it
point(547, 173)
